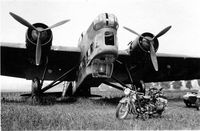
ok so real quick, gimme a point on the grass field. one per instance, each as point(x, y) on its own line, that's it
point(93, 114)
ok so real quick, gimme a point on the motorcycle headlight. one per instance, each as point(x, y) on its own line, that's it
point(127, 91)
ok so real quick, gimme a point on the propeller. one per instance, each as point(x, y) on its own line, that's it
point(153, 57)
point(151, 42)
point(22, 21)
point(162, 32)
point(57, 24)
point(132, 31)
point(38, 52)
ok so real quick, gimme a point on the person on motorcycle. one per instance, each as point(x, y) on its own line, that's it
point(140, 86)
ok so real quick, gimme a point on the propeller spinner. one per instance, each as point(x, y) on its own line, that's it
point(38, 34)
point(151, 42)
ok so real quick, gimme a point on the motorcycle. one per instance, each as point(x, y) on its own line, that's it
point(158, 100)
point(138, 104)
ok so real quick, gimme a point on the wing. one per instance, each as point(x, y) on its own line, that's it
point(15, 62)
point(171, 67)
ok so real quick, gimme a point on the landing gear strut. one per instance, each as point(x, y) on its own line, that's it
point(84, 92)
point(67, 89)
point(135, 85)
point(37, 89)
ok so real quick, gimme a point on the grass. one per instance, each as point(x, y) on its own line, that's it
point(90, 114)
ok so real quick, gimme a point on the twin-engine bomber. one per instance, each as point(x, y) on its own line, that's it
point(96, 60)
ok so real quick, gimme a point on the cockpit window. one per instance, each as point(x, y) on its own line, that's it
point(109, 38)
point(105, 20)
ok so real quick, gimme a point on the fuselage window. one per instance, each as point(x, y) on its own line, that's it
point(109, 38)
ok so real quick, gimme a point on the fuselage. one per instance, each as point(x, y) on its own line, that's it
point(99, 49)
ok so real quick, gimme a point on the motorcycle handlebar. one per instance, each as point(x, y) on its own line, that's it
point(135, 92)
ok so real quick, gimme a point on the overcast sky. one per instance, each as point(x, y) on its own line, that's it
point(139, 15)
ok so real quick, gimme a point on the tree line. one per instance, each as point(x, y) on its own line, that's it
point(175, 84)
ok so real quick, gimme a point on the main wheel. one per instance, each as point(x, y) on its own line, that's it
point(84, 92)
point(35, 92)
point(122, 110)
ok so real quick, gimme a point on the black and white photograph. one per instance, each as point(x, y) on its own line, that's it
point(100, 64)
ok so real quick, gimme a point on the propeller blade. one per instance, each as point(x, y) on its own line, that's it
point(38, 51)
point(22, 21)
point(153, 57)
point(57, 24)
point(162, 32)
point(132, 31)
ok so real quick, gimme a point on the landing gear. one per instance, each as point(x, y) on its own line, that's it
point(36, 91)
point(83, 92)
point(67, 89)
point(135, 84)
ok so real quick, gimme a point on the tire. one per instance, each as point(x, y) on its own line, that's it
point(197, 104)
point(36, 100)
point(35, 92)
point(122, 110)
point(35, 86)
point(187, 103)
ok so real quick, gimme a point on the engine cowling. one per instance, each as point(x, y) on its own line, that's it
point(38, 39)
point(31, 42)
point(148, 43)
point(140, 48)
point(143, 45)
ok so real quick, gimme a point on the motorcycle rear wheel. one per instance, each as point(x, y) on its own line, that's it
point(122, 110)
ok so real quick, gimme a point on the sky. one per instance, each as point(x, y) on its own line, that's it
point(139, 15)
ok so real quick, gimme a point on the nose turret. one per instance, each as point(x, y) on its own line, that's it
point(105, 20)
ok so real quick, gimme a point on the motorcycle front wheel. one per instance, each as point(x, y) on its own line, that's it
point(122, 110)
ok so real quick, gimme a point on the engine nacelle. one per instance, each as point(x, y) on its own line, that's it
point(140, 48)
point(31, 42)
